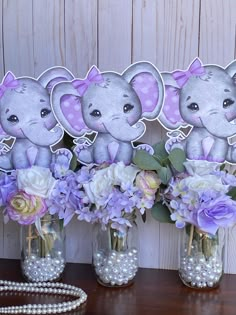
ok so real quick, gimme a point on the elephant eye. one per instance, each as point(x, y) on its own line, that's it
point(193, 107)
point(127, 108)
point(227, 102)
point(45, 112)
point(96, 113)
point(13, 118)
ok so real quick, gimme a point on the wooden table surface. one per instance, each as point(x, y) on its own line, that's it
point(155, 292)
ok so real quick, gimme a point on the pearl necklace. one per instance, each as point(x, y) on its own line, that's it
point(43, 287)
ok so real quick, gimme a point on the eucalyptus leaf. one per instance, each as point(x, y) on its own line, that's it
point(165, 174)
point(232, 193)
point(160, 151)
point(161, 213)
point(222, 166)
point(144, 217)
point(73, 163)
point(146, 161)
point(177, 157)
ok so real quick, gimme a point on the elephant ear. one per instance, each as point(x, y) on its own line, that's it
point(147, 83)
point(170, 116)
point(231, 70)
point(66, 105)
point(54, 75)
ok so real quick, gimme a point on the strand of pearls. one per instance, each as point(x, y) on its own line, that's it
point(43, 287)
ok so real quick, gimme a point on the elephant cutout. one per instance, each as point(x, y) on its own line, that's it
point(111, 105)
point(27, 118)
point(203, 98)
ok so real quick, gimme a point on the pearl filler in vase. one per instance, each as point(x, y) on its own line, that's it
point(43, 254)
point(115, 255)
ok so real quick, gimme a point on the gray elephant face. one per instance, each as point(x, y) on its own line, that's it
point(26, 105)
point(202, 97)
point(114, 105)
point(206, 99)
point(114, 101)
point(25, 109)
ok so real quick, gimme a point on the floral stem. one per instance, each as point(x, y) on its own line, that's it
point(29, 239)
point(190, 239)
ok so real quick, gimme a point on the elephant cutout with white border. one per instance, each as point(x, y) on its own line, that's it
point(27, 118)
point(111, 105)
point(204, 98)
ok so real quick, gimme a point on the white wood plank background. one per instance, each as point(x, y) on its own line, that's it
point(35, 35)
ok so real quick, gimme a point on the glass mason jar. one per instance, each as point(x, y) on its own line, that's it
point(201, 258)
point(115, 255)
point(43, 252)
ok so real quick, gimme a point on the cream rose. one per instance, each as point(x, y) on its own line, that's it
point(201, 167)
point(148, 182)
point(123, 175)
point(36, 181)
point(99, 187)
point(200, 183)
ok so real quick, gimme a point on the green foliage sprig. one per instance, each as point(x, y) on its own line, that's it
point(166, 165)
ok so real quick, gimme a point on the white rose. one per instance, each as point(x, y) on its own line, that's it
point(200, 183)
point(201, 167)
point(99, 187)
point(124, 175)
point(36, 181)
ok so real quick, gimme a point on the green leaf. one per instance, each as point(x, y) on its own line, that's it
point(161, 213)
point(222, 166)
point(144, 217)
point(164, 174)
point(73, 163)
point(232, 193)
point(146, 161)
point(177, 157)
point(160, 151)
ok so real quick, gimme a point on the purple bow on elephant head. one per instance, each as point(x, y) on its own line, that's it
point(8, 82)
point(195, 69)
point(94, 76)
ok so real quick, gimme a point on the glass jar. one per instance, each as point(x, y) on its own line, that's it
point(42, 250)
point(115, 255)
point(201, 258)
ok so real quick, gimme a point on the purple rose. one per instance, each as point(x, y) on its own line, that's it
point(24, 208)
point(219, 212)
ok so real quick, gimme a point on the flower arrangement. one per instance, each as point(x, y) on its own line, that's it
point(108, 194)
point(202, 197)
point(199, 196)
point(24, 195)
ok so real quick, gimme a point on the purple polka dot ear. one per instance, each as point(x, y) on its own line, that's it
point(146, 88)
point(170, 115)
point(71, 109)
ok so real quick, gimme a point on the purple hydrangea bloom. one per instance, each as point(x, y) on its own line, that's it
point(7, 187)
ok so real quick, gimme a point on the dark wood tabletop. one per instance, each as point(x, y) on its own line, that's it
point(154, 292)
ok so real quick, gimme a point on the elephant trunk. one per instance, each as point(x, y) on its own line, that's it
point(40, 135)
point(219, 126)
point(122, 131)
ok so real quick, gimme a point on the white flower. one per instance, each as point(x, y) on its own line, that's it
point(99, 188)
point(123, 175)
point(103, 181)
point(200, 183)
point(36, 181)
point(201, 167)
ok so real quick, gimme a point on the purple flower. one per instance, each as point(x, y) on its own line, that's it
point(219, 212)
point(7, 187)
point(24, 208)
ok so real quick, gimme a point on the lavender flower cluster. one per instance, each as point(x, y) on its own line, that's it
point(105, 194)
point(201, 197)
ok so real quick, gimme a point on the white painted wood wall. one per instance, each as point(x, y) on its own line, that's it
point(36, 34)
